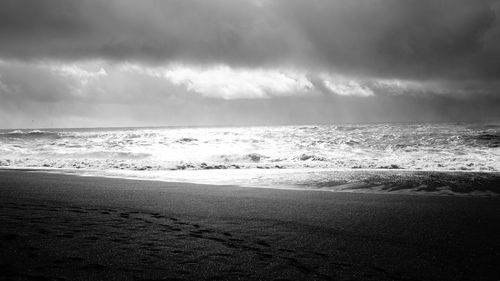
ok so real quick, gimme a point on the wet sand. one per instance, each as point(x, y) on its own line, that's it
point(63, 227)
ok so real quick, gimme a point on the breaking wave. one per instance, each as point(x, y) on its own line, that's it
point(426, 147)
point(19, 134)
point(422, 147)
point(487, 139)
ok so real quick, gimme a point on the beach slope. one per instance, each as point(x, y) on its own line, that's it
point(64, 227)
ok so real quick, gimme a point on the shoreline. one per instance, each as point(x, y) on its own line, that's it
point(393, 181)
point(80, 228)
point(383, 170)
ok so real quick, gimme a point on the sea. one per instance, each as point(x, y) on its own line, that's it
point(459, 159)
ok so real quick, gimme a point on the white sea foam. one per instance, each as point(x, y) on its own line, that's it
point(409, 147)
point(383, 146)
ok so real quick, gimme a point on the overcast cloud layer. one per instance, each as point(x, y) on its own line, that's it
point(126, 62)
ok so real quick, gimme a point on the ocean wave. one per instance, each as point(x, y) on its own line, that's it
point(488, 139)
point(429, 147)
point(238, 158)
point(186, 140)
point(19, 134)
point(310, 157)
point(89, 156)
point(143, 161)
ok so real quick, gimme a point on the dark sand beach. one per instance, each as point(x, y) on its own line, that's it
point(63, 227)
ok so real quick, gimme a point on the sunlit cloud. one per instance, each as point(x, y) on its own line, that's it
point(345, 87)
point(397, 87)
point(83, 72)
point(225, 82)
point(222, 81)
point(99, 78)
point(129, 92)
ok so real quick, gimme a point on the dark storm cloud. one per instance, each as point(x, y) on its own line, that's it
point(192, 31)
point(199, 62)
point(450, 39)
point(409, 39)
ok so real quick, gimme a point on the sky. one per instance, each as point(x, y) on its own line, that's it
point(99, 63)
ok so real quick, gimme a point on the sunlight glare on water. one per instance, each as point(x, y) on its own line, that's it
point(238, 155)
point(380, 146)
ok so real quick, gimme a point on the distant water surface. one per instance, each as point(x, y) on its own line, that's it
point(298, 156)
